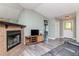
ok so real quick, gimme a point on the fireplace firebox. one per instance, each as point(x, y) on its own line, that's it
point(13, 39)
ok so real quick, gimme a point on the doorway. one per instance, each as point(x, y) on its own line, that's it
point(68, 26)
point(68, 29)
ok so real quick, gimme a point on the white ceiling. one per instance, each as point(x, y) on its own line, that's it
point(51, 10)
point(9, 10)
point(30, 5)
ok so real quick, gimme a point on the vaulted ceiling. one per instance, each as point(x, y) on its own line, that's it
point(49, 10)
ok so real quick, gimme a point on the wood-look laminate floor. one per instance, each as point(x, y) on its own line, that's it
point(41, 48)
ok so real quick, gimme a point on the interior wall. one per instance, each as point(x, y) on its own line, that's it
point(57, 29)
point(54, 29)
point(32, 20)
point(51, 29)
point(77, 26)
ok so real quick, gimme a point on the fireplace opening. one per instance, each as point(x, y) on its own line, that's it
point(13, 39)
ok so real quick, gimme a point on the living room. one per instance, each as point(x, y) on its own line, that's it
point(37, 29)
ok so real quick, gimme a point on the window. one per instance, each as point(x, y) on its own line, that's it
point(68, 25)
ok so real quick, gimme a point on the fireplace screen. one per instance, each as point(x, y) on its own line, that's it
point(13, 39)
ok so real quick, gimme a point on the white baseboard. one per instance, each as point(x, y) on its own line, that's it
point(51, 38)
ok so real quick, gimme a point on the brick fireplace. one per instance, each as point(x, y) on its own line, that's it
point(11, 38)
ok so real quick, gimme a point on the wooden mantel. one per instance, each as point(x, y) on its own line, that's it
point(4, 27)
point(11, 24)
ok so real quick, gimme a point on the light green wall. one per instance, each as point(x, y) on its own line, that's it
point(51, 27)
point(13, 20)
point(32, 20)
